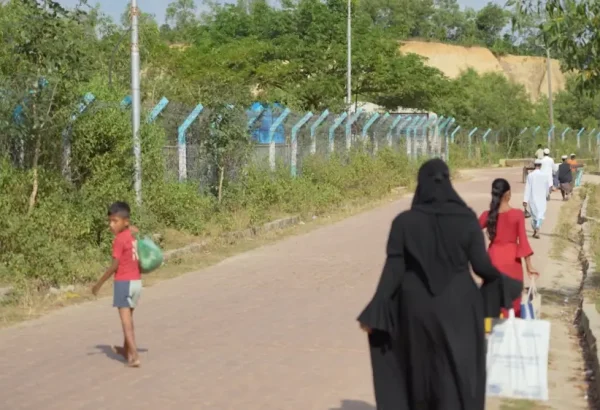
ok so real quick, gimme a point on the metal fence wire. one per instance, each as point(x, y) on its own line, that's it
point(286, 139)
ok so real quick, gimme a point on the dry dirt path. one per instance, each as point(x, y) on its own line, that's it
point(269, 329)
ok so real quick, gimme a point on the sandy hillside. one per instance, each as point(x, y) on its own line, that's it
point(452, 60)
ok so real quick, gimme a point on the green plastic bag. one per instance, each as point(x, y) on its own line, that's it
point(150, 255)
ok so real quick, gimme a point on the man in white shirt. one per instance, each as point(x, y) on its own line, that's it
point(547, 168)
point(535, 196)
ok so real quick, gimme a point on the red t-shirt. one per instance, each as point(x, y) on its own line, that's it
point(125, 251)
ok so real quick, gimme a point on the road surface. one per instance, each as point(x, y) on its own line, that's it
point(273, 328)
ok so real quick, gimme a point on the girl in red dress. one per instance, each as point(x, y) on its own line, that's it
point(508, 239)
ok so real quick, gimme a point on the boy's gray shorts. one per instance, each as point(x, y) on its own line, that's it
point(126, 293)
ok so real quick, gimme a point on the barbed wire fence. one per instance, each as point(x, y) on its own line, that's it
point(281, 138)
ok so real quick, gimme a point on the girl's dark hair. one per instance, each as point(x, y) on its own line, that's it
point(500, 187)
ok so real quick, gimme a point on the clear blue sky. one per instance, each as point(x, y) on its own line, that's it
point(157, 7)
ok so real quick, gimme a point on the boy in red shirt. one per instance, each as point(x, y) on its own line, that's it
point(127, 278)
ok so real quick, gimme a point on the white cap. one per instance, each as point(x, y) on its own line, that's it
point(572, 155)
point(564, 157)
point(538, 162)
point(546, 151)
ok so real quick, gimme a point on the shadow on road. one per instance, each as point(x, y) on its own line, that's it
point(354, 405)
point(108, 352)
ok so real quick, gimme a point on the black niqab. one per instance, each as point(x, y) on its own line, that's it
point(437, 199)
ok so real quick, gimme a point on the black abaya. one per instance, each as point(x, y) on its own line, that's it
point(427, 315)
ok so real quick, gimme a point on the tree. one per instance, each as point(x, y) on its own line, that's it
point(228, 144)
point(569, 29)
point(45, 59)
point(490, 21)
point(181, 15)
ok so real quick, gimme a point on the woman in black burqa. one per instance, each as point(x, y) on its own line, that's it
point(426, 320)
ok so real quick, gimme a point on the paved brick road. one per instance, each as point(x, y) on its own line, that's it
point(270, 329)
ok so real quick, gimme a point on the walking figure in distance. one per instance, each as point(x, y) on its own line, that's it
point(127, 278)
point(565, 178)
point(536, 191)
point(508, 240)
point(547, 166)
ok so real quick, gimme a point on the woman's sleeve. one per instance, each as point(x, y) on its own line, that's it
point(498, 290)
point(524, 248)
point(483, 219)
point(380, 313)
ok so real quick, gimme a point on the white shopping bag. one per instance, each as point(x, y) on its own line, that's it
point(531, 302)
point(517, 358)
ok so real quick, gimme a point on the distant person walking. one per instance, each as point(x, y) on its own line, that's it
point(508, 239)
point(572, 161)
point(426, 319)
point(536, 192)
point(539, 154)
point(577, 170)
point(548, 168)
point(565, 178)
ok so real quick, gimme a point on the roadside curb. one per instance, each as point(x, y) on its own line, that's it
point(275, 225)
point(589, 318)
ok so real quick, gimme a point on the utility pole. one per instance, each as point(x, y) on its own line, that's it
point(349, 52)
point(136, 100)
point(550, 104)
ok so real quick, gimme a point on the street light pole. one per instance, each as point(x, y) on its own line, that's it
point(550, 103)
point(349, 52)
point(136, 100)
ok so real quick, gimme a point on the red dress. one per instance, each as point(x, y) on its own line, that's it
point(509, 246)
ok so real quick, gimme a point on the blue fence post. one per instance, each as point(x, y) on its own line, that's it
point(436, 133)
point(389, 136)
point(399, 129)
point(579, 138)
point(590, 139)
point(332, 129)
point(181, 142)
point(523, 131)
point(383, 119)
point(444, 132)
point(295, 129)
point(471, 141)
point(562, 136)
point(88, 98)
point(272, 130)
point(157, 110)
point(253, 118)
point(426, 125)
point(369, 124)
point(351, 120)
point(126, 102)
point(409, 137)
point(550, 133)
point(536, 129)
point(454, 132)
point(420, 122)
point(484, 138)
point(313, 131)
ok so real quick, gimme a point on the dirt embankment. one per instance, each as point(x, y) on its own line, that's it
point(531, 72)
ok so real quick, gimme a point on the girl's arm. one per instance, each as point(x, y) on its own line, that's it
point(524, 248)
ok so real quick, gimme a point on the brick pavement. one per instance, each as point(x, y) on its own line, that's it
point(272, 328)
